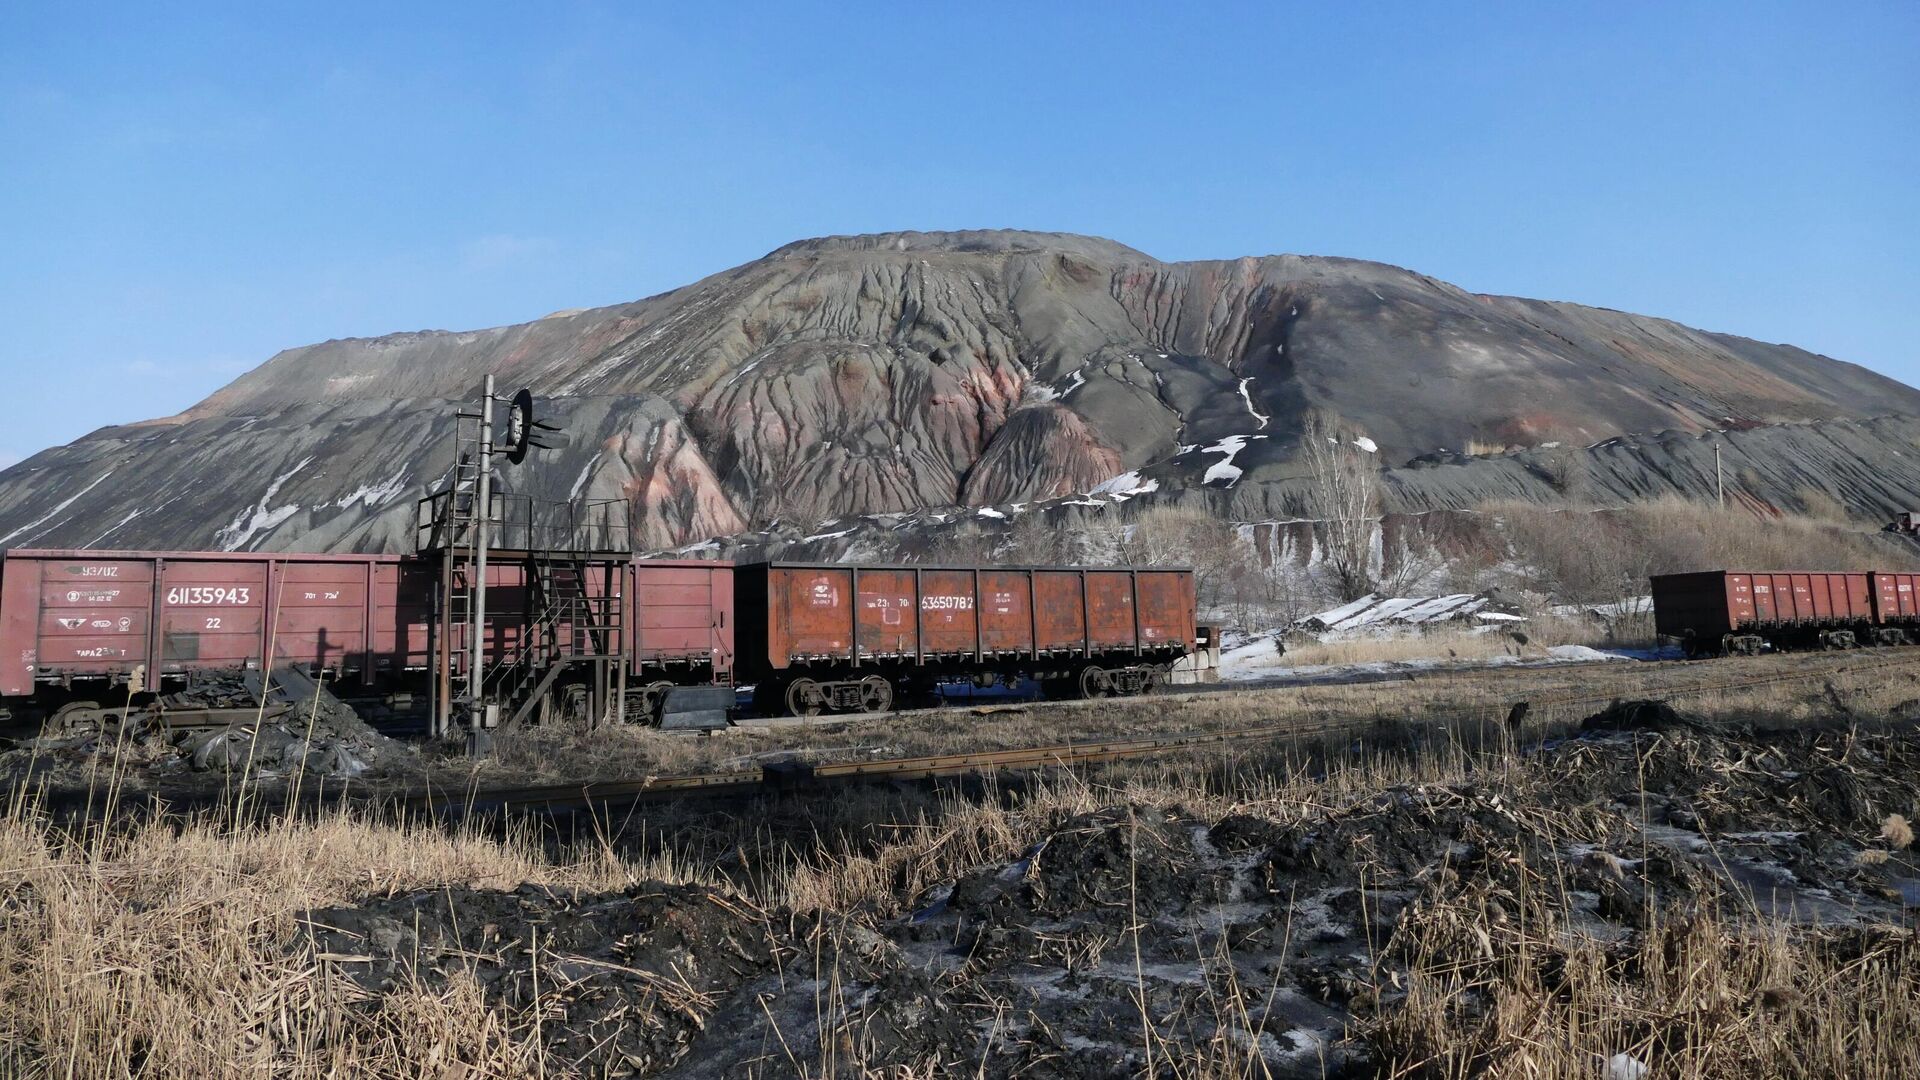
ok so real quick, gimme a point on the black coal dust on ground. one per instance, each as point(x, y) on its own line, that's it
point(301, 731)
point(1276, 939)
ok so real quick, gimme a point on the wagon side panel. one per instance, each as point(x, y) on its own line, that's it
point(1007, 615)
point(886, 614)
point(676, 614)
point(1059, 610)
point(19, 624)
point(811, 614)
point(1110, 609)
point(948, 612)
point(1167, 609)
point(323, 614)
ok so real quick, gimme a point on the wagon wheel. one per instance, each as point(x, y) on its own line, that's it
point(803, 698)
point(653, 699)
point(1094, 683)
point(77, 718)
point(876, 694)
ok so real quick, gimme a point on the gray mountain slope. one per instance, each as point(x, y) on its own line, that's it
point(886, 373)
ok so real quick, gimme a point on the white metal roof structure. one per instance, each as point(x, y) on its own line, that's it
point(1371, 610)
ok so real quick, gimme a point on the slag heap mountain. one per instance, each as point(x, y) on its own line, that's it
point(896, 374)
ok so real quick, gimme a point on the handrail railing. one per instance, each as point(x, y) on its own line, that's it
point(448, 519)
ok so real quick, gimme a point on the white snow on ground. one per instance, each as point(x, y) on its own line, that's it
point(260, 518)
point(1248, 398)
point(1040, 392)
point(1367, 444)
point(1079, 380)
point(704, 545)
point(36, 522)
point(827, 535)
point(1224, 469)
point(1128, 483)
point(990, 512)
point(1257, 660)
point(372, 495)
point(581, 480)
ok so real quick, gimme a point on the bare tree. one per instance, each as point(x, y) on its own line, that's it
point(1222, 562)
point(1344, 494)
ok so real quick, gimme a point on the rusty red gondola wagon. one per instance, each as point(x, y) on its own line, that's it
point(815, 636)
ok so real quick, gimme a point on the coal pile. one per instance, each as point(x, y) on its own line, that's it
point(302, 729)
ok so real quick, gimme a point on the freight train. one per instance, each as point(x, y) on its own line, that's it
point(1732, 612)
point(87, 630)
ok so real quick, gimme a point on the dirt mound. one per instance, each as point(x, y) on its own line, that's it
point(1638, 716)
point(302, 730)
point(869, 378)
point(311, 730)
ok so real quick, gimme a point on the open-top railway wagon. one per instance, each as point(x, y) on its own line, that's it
point(93, 631)
point(1731, 612)
point(830, 636)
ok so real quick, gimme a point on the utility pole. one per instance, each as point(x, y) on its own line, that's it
point(483, 526)
point(1719, 480)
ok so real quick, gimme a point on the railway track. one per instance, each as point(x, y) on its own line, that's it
point(787, 775)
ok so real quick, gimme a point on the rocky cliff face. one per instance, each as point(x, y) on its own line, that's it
point(891, 373)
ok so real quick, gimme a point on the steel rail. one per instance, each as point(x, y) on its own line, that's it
point(789, 775)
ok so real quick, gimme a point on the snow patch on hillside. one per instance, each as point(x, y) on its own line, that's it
point(260, 518)
point(1225, 470)
point(580, 481)
point(1126, 485)
point(372, 495)
point(1248, 398)
point(69, 501)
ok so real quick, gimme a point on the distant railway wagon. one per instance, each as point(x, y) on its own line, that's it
point(832, 636)
point(1721, 612)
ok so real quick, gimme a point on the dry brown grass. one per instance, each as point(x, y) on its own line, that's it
point(1445, 644)
point(163, 950)
point(1702, 995)
point(170, 950)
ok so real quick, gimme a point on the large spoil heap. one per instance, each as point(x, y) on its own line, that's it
point(888, 373)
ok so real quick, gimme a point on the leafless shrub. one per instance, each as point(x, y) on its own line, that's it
point(1032, 541)
point(1344, 494)
point(1577, 556)
point(1182, 536)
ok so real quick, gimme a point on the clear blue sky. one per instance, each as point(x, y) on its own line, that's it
point(185, 189)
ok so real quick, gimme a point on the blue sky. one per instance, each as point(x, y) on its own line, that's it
point(185, 189)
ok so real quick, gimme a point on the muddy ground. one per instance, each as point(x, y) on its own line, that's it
point(333, 749)
point(1275, 938)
